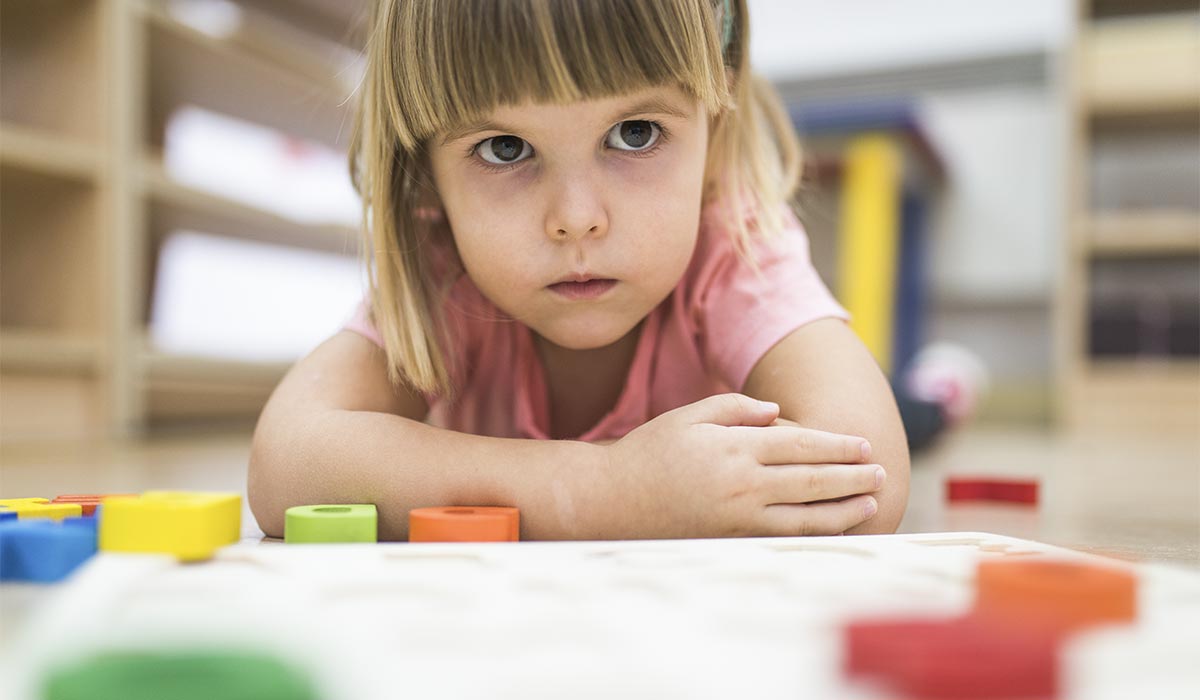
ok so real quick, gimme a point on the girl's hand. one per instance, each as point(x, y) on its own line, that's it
point(727, 466)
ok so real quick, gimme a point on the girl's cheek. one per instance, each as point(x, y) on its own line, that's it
point(499, 193)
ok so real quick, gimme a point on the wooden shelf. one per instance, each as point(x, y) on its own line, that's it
point(237, 77)
point(42, 151)
point(1141, 65)
point(52, 406)
point(24, 350)
point(1143, 233)
point(165, 366)
point(337, 21)
point(86, 90)
point(1145, 395)
point(183, 207)
point(1136, 87)
point(266, 45)
point(185, 387)
point(1104, 9)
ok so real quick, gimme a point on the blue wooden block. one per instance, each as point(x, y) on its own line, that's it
point(44, 551)
point(6, 514)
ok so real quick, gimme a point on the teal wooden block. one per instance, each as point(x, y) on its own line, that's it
point(331, 523)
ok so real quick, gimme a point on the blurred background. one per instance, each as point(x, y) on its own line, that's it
point(1014, 184)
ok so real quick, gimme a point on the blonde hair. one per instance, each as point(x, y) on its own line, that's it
point(431, 66)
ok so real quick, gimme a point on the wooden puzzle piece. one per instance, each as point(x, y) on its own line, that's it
point(189, 525)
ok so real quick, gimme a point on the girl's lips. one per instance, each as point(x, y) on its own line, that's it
point(592, 289)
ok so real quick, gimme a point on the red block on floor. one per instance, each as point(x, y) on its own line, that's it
point(968, 657)
point(1001, 490)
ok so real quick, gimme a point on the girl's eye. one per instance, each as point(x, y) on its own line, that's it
point(635, 135)
point(504, 150)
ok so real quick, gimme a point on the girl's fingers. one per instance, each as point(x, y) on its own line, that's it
point(831, 518)
point(805, 483)
point(781, 444)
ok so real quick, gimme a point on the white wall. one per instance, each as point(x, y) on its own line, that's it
point(998, 234)
point(808, 38)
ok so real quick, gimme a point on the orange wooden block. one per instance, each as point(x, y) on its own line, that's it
point(88, 502)
point(1062, 593)
point(464, 524)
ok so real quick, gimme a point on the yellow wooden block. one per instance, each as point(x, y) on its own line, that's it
point(10, 502)
point(190, 525)
point(29, 508)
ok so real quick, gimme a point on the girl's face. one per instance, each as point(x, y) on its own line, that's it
point(540, 197)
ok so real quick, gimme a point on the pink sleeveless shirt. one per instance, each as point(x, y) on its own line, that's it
point(703, 339)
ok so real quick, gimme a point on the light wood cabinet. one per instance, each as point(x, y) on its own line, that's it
point(88, 87)
point(1133, 203)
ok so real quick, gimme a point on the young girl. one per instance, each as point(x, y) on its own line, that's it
point(579, 247)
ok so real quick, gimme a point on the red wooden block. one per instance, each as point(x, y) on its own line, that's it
point(1002, 490)
point(967, 657)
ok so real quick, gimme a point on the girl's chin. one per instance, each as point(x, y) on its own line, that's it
point(582, 334)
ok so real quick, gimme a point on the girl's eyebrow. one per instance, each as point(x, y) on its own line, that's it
point(652, 105)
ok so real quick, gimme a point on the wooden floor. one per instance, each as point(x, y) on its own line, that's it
point(1123, 496)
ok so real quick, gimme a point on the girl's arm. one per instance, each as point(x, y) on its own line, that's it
point(334, 431)
point(823, 377)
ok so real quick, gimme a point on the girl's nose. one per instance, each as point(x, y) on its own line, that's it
point(577, 210)
point(564, 235)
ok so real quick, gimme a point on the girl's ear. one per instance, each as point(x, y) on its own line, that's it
point(432, 215)
point(429, 204)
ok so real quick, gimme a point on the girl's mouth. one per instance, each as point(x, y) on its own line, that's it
point(591, 289)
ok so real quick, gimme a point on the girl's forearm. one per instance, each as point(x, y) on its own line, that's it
point(400, 464)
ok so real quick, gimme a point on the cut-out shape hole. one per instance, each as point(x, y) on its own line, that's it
point(332, 509)
point(435, 557)
point(460, 511)
point(963, 542)
point(657, 559)
point(852, 551)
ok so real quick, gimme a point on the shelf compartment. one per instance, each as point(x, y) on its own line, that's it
point(187, 66)
point(49, 247)
point(1141, 65)
point(1146, 308)
point(44, 152)
point(1144, 163)
point(49, 53)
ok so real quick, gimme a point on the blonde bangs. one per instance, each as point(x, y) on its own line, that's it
point(454, 60)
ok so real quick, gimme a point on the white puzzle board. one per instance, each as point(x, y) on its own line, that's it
point(722, 618)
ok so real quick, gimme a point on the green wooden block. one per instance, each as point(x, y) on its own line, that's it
point(181, 675)
point(331, 523)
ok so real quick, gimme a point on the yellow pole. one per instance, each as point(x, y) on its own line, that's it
point(869, 242)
